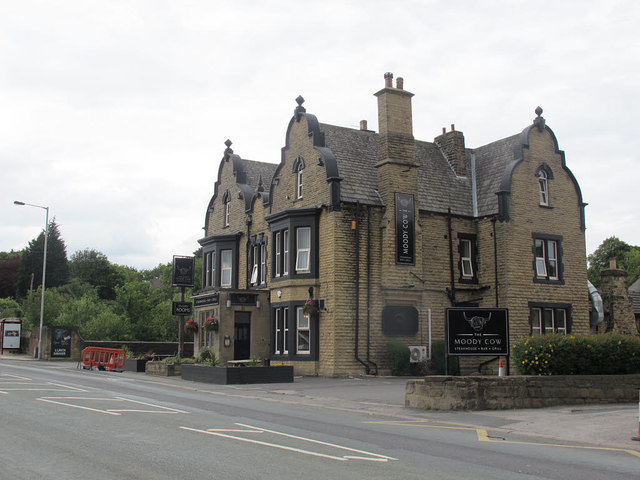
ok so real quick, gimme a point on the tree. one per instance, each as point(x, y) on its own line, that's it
point(9, 266)
point(31, 265)
point(93, 267)
point(626, 256)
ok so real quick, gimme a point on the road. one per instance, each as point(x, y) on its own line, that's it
point(61, 422)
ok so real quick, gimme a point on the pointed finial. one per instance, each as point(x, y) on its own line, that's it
point(539, 121)
point(299, 109)
point(228, 151)
point(260, 187)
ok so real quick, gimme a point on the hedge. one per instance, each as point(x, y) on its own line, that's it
point(605, 354)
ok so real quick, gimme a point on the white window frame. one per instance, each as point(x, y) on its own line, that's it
point(299, 184)
point(303, 252)
point(548, 320)
point(254, 270)
point(466, 257)
point(278, 255)
point(278, 331)
point(543, 187)
point(285, 253)
point(227, 214)
point(285, 335)
point(263, 263)
point(546, 254)
point(226, 268)
point(303, 325)
point(207, 274)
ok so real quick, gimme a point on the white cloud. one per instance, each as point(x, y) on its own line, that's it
point(115, 113)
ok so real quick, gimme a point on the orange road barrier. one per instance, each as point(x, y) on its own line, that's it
point(638, 437)
point(103, 358)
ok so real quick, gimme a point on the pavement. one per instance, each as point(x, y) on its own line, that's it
point(602, 426)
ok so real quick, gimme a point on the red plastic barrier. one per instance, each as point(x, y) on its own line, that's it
point(103, 358)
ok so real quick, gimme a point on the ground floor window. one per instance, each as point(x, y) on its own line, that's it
point(294, 335)
point(205, 336)
point(303, 345)
point(550, 319)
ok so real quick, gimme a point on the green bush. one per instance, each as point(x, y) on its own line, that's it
point(608, 354)
point(398, 354)
point(208, 357)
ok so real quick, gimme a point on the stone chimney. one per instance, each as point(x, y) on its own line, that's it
point(618, 309)
point(451, 144)
point(395, 123)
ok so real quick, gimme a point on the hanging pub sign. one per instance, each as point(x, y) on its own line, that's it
point(405, 229)
point(181, 308)
point(477, 331)
point(183, 270)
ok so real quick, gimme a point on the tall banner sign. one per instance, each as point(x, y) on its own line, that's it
point(477, 331)
point(405, 229)
point(183, 271)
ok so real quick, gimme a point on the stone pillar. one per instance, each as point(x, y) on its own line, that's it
point(618, 309)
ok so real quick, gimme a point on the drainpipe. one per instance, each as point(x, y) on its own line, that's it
point(452, 295)
point(357, 332)
point(369, 361)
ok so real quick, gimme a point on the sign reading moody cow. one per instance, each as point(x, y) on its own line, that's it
point(477, 331)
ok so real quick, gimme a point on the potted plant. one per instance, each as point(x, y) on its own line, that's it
point(310, 308)
point(191, 326)
point(212, 324)
point(254, 371)
point(167, 367)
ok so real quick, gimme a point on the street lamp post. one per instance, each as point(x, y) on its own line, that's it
point(44, 270)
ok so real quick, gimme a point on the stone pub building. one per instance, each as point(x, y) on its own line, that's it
point(359, 237)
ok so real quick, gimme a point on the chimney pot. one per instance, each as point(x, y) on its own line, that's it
point(400, 83)
point(453, 127)
point(444, 130)
point(363, 125)
point(388, 80)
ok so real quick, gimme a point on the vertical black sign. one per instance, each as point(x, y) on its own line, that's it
point(61, 342)
point(183, 268)
point(405, 229)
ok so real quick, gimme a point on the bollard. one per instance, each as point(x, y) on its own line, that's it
point(638, 437)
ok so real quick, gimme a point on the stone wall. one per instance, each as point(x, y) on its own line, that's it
point(495, 393)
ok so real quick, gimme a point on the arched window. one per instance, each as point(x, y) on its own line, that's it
point(298, 167)
point(226, 200)
point(544, 174)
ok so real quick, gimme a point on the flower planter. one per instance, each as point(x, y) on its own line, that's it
point(135, 364)
point(237, 375)
point(162, 369)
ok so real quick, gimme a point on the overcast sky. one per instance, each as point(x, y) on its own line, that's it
point(114, 113)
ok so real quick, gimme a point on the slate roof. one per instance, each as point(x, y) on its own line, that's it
point(256, 171)
point(491, 162)
point(356, 152)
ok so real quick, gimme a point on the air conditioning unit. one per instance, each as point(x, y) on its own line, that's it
point(417, 354)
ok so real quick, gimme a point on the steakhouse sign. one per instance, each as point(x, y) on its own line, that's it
point(477, 331)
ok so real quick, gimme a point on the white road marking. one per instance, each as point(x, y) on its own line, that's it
point(224, 433)
point(72, 402)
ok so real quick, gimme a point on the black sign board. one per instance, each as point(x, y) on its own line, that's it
point(181, 308)
point(205, 300)
point(405, 229)
point(61, 342)
point(477, 331)
point(183, 269)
